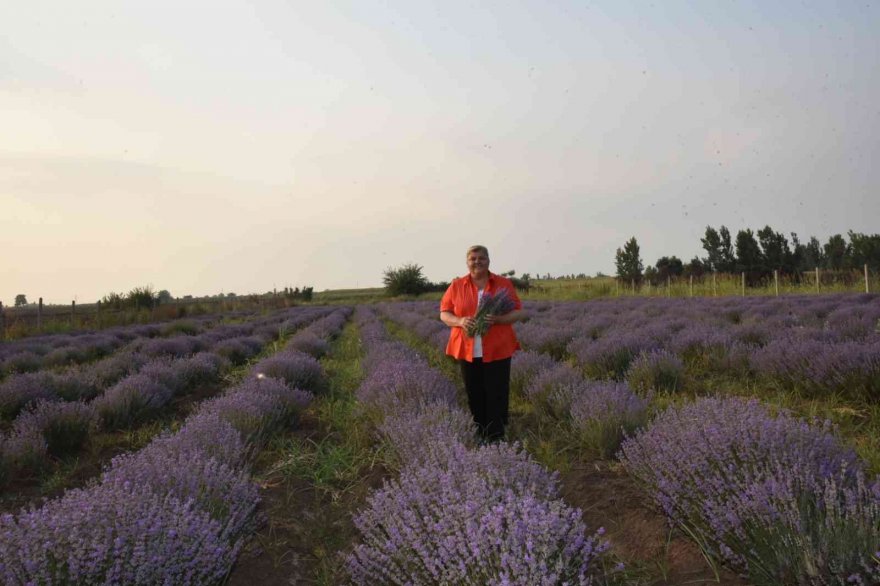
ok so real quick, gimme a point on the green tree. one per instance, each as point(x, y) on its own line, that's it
point(164, 296)
point(748, 254)
point(669, 266)
point(865, 250)
point(695, 268)
point(837, 253)
point(774, 250)
point(141, 297)
point(628, 262)
point(405, 280)
point(20, 299)
point(814, 256)
point(728, 258)
point(712, 245)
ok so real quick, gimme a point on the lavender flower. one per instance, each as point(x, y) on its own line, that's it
point(498, 303)
point(114, 533)
point(295, 368)
point(426, 432)
point(736, 478)
point(64, 427)
point(525, 366)
point(132, 400)
point(603, 413)
point(657, 370)
point(479, 517)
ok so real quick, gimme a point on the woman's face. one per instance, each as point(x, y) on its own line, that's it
point(478, 264)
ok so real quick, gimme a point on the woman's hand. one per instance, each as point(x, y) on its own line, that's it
point(466, 322)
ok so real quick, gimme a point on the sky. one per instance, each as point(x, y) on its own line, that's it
point(229, 146)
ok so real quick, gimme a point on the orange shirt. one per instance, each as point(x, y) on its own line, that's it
point(461, 299)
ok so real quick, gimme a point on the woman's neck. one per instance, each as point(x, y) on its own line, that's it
point(481, 281)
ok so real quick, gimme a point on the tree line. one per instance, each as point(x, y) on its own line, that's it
point(757, 254)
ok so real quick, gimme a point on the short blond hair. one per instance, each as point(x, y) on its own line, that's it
point(477, 248)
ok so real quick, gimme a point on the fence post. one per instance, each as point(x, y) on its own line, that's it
point(714, 290)
point(817, 279)
point(2, 322)
point(40, 314)
point(776, 280)
point(634, 286)
point(98, 316)
point(73, 313)
point(617, 287)
point(744, 284)
point(867, 289)
point(692, 285)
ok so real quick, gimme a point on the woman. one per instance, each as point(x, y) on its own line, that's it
point(484, 360)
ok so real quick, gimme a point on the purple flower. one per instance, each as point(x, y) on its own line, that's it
point(774, 497)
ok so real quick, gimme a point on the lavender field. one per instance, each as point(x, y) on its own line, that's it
point(652, 441)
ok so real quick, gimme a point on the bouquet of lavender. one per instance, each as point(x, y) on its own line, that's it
point(497, 304)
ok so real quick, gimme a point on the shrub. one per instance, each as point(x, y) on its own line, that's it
point(114, 533)
point(236, 350)
point(257, 407)
point(132, 400)
point(308, 343)
point(776, 498)
point(610, 355)
point(657, 370)
point(479, 517)
point(405, 280)
point(64, 427)
point(297, 369)
point(416, 435)
point(225, 492)
point(603, 413)
point(525, 366)
point(542, 390)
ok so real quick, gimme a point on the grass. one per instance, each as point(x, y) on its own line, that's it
point(327, 466)
point(725, 285)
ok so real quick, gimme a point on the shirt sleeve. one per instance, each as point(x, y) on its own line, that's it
point(447, 302)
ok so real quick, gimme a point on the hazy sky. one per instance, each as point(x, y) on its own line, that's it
point(227, 146)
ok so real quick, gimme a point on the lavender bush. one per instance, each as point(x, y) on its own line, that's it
point(752, 489)
point(819, 367)
point(309, 343)
point(479, 517)
point(422, 432)
point(114, 533)
point(657, 370)
point(603, 413)
point(525, 365)
point(543, 390)
point(297, 369)
point(132, 400)
point(64, 427)
point(258, 406)
point(225, 492)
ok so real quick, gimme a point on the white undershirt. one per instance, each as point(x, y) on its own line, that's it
point(478, 339)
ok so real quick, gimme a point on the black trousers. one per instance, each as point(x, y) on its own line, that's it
point(487, 385)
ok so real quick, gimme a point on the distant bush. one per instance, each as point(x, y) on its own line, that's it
point(405, 280)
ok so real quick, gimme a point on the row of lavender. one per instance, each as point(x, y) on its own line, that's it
point(236, 343)
point(152, 374)
point(456, 514)
point(816, 344)
point(778, 499)
point(48, 351)
point(178, 511)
